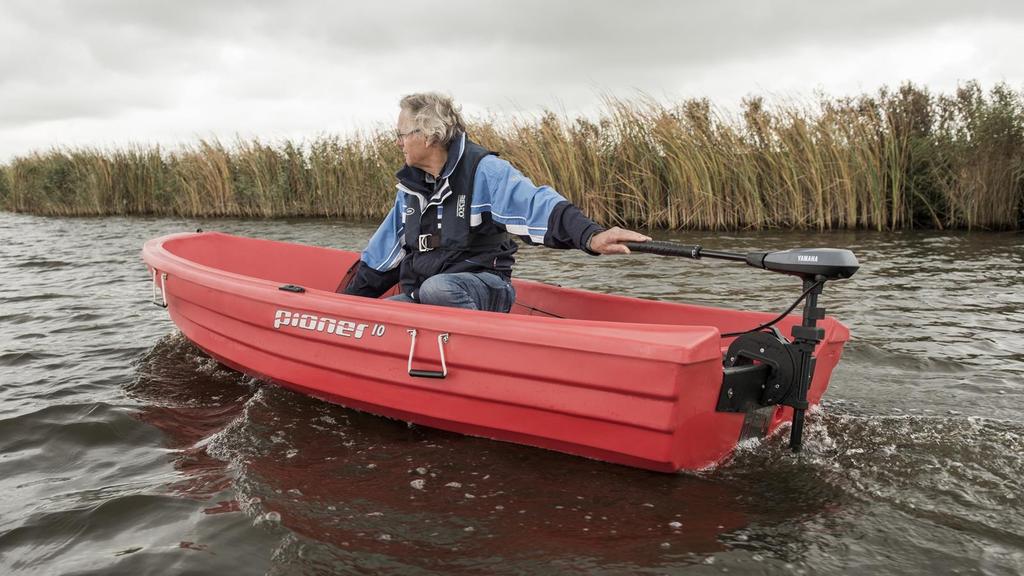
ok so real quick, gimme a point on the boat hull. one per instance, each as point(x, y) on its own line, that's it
point(596, 375)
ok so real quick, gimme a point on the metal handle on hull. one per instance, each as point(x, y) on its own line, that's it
point(163, 289)
point(441, 340)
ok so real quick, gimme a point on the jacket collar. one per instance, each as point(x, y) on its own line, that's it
point(455, 149)
point(419, 181)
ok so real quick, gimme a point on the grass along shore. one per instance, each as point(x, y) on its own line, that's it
point(896, 159)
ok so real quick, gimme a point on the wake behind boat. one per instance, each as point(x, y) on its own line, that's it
point(609, 377)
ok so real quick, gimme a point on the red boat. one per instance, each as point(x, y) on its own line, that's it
point(614, 378)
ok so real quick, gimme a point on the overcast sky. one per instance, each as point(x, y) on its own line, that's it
point(112, 73)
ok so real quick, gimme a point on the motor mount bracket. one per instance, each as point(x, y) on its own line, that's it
point(759, 369)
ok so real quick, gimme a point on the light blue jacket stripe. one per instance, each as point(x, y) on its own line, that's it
point(384, 251)
point(513, 200)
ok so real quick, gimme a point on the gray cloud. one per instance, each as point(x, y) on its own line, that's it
point(155, 70)
point(642, 33)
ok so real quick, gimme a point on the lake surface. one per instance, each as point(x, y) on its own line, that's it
point(125, 450)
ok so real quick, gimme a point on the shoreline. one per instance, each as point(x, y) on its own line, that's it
point(370, 222)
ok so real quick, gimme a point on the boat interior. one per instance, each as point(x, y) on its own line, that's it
point(327, 269)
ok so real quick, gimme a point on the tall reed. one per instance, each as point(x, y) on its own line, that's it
point(893, 159)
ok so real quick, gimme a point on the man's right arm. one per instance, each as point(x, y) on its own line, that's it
point(378, 266)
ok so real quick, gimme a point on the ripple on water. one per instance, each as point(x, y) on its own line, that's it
point(46, 264)
point(21, 298)
point(941, 478)
point(24, 357)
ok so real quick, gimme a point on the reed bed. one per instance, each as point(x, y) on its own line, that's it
point(894, 159)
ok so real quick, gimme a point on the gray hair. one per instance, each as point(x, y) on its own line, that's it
point(435, 115)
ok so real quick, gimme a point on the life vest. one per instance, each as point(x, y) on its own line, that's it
point(438, 235)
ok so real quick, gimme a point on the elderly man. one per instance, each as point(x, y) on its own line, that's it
point(447, 240)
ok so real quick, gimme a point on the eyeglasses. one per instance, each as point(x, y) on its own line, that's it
point(399, 135)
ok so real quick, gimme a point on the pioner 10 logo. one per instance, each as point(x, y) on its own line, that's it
point(325, 324)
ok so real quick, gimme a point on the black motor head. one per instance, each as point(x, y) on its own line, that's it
point(808, 263)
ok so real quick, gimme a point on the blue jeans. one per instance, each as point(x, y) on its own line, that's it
point(474, 291)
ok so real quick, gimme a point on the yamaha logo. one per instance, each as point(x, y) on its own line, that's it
point(806, 258)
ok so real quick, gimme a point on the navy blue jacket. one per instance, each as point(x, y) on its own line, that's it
point(501, 200)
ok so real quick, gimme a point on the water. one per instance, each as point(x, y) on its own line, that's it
point(124, 450)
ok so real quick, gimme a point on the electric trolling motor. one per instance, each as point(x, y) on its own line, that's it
point(762, 369)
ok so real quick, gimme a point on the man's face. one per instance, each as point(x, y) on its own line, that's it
point(412, 142)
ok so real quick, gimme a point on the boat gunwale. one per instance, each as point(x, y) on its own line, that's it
point(398, 313)
point(836, 333)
